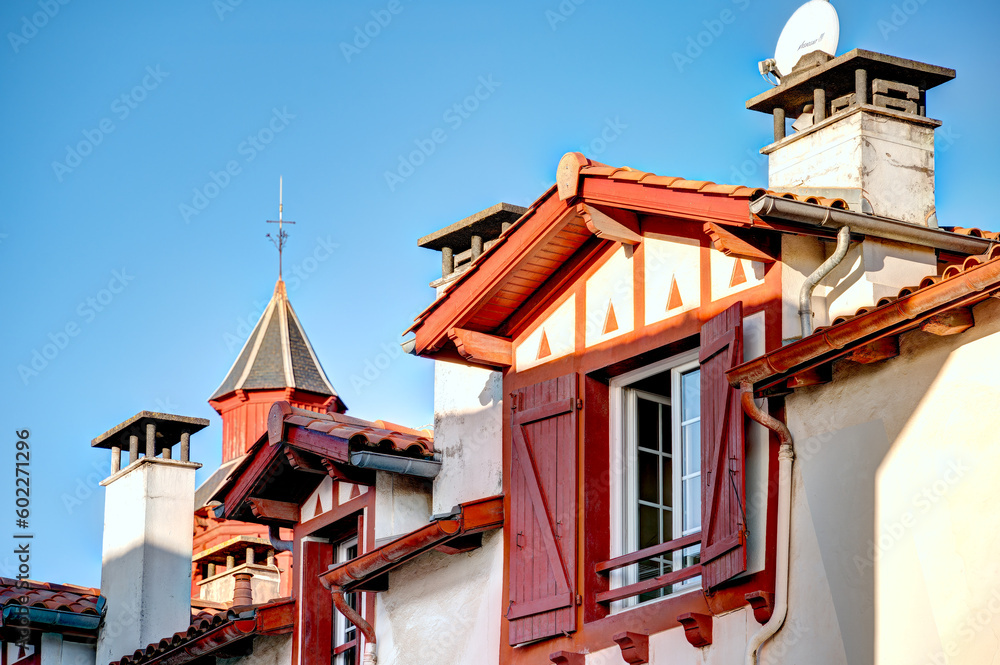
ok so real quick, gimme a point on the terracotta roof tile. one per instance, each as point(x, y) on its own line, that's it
point(46, 595)
point(378, 433)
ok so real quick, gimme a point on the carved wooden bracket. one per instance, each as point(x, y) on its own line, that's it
point(604, 226)
point(762, 603)
point(730, 244)
point(274, 511)
point(697, 628)
point(634, 646)
point(300, 462)
point(568, 658)
point(812, 377)
point(483, 349)
point(952, 322)
point(348, 474)
point(880, 349)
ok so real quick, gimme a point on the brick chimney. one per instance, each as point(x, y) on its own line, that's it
point(861, 132)
point(148, 526)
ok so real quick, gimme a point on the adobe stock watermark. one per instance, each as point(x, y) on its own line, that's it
point(364, 34)
point(223, 7)
point(295, 275)
point(922, 503)
point(970, 626)
point(86, 312)
point(562, 12)
point(698, 43)
point(122, 107)
point(30, 25)
point(248, 149)
point(899, 16)
point(454, 116)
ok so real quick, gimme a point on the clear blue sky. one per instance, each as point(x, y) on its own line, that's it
point(116, 115)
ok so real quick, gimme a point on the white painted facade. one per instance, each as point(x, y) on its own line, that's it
point(53, 649)
point(894, 528)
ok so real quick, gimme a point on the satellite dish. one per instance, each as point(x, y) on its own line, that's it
point(814, 26)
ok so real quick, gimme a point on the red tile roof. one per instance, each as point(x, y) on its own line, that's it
point(46, 595)
point(212, 630)
point(960, 285)
point(363, 433)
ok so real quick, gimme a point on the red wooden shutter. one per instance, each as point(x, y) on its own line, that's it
point(723, 488)
point(543, 506)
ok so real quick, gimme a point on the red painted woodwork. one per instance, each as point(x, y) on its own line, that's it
point(543, 511)
point(723, 477)
point(482, 349)
point(244, 415)
point(634, 646)
point(646, 553)
point(313, 626)
point(762, 603)
point(568, 658)
point(697, 628)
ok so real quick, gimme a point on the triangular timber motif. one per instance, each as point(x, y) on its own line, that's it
point(355, 491)
point(674, 299)
point(319, 505)
point(543, 347)
point(610, 320)
point(739, 276)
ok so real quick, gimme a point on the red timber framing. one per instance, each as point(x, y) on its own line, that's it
point(499, 297)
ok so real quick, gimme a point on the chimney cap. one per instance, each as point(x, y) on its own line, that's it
point(836, 77)
point(169, 428)
point(487, 224)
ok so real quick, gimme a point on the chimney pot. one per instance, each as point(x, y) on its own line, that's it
point(242, 591)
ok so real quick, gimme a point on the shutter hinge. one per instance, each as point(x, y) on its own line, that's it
point(579, 404)
point(579, 599)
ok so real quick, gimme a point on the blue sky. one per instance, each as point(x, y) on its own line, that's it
point(143, 144)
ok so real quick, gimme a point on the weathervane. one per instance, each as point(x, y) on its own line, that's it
point(282, 237)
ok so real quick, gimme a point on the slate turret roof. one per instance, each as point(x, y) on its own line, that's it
point(277, 355)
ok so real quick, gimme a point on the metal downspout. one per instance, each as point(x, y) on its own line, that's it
point(805, 294)
point(786, 457)
point(279, 545)
point(352, 615)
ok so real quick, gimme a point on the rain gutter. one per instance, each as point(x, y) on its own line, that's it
point(775, 208)
point(41, 616)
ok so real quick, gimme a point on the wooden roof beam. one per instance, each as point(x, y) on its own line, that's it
point(483, 349)
point(624, 230)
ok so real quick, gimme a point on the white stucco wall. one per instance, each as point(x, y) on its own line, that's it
point(444, 609)
point(402, 504)
point(54, 650)
point(468, 428)
point(146, 560)
point(895, 527)
point(267, 650)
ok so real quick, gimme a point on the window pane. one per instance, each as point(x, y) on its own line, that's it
point(668, 525)
point(668, 482)
point(665, 431)
point(691, 389)
point(649, 526)
point(692, 447)
point(648, 425)
point(649, 483)
point(692, 503)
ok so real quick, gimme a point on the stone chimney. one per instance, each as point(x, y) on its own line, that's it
point(148, 527)
point(861, 132)
point(462, 243)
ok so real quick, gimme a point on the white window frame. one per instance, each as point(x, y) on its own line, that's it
point(341, 625)
point(624, 483)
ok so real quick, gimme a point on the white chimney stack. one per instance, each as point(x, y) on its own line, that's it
point(148, 528)
point(862, 132)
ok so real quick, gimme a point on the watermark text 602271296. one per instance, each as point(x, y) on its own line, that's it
point(22, 538)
